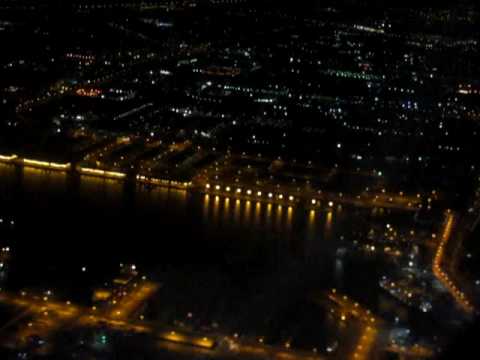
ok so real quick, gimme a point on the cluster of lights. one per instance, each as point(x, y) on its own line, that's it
point(47, 165)
point(79, 56)
point(203, 342)
point(8, 158)
point(396, 290)
point(36, 163)
point(95, 172)
point(163, 182)
point(102, 173)
point(468, 90)
point(369, 29)
point(353, 75)
point(260, 194)
point(89, 92)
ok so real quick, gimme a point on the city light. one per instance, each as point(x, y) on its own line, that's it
point(275, 148)
point(8, 158)
point(102, 173)
point(45, 164)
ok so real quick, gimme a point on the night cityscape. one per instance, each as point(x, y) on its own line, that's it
point(239, 179)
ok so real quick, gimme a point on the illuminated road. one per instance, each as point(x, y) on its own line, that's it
point(48, 316)
point(124, 307)
point(440, 274)
point(249, 348)
point(369, 323)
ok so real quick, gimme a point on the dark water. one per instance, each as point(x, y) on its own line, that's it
point(64, 222)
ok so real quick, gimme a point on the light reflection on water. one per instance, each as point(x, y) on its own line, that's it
point(37, 180)
point(215, 210)
point(264, 216)
point(257, 214)
point(278, 218)
point(246, 213)
point(226, 212)
point(98, 189)
point(328, 223)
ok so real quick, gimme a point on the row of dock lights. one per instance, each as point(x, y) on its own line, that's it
point(270, 195)
point(249, 192)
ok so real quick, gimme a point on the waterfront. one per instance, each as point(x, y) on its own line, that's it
point(234, 180)
point(225, 258)
point(57, 212)
point(220, 257)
